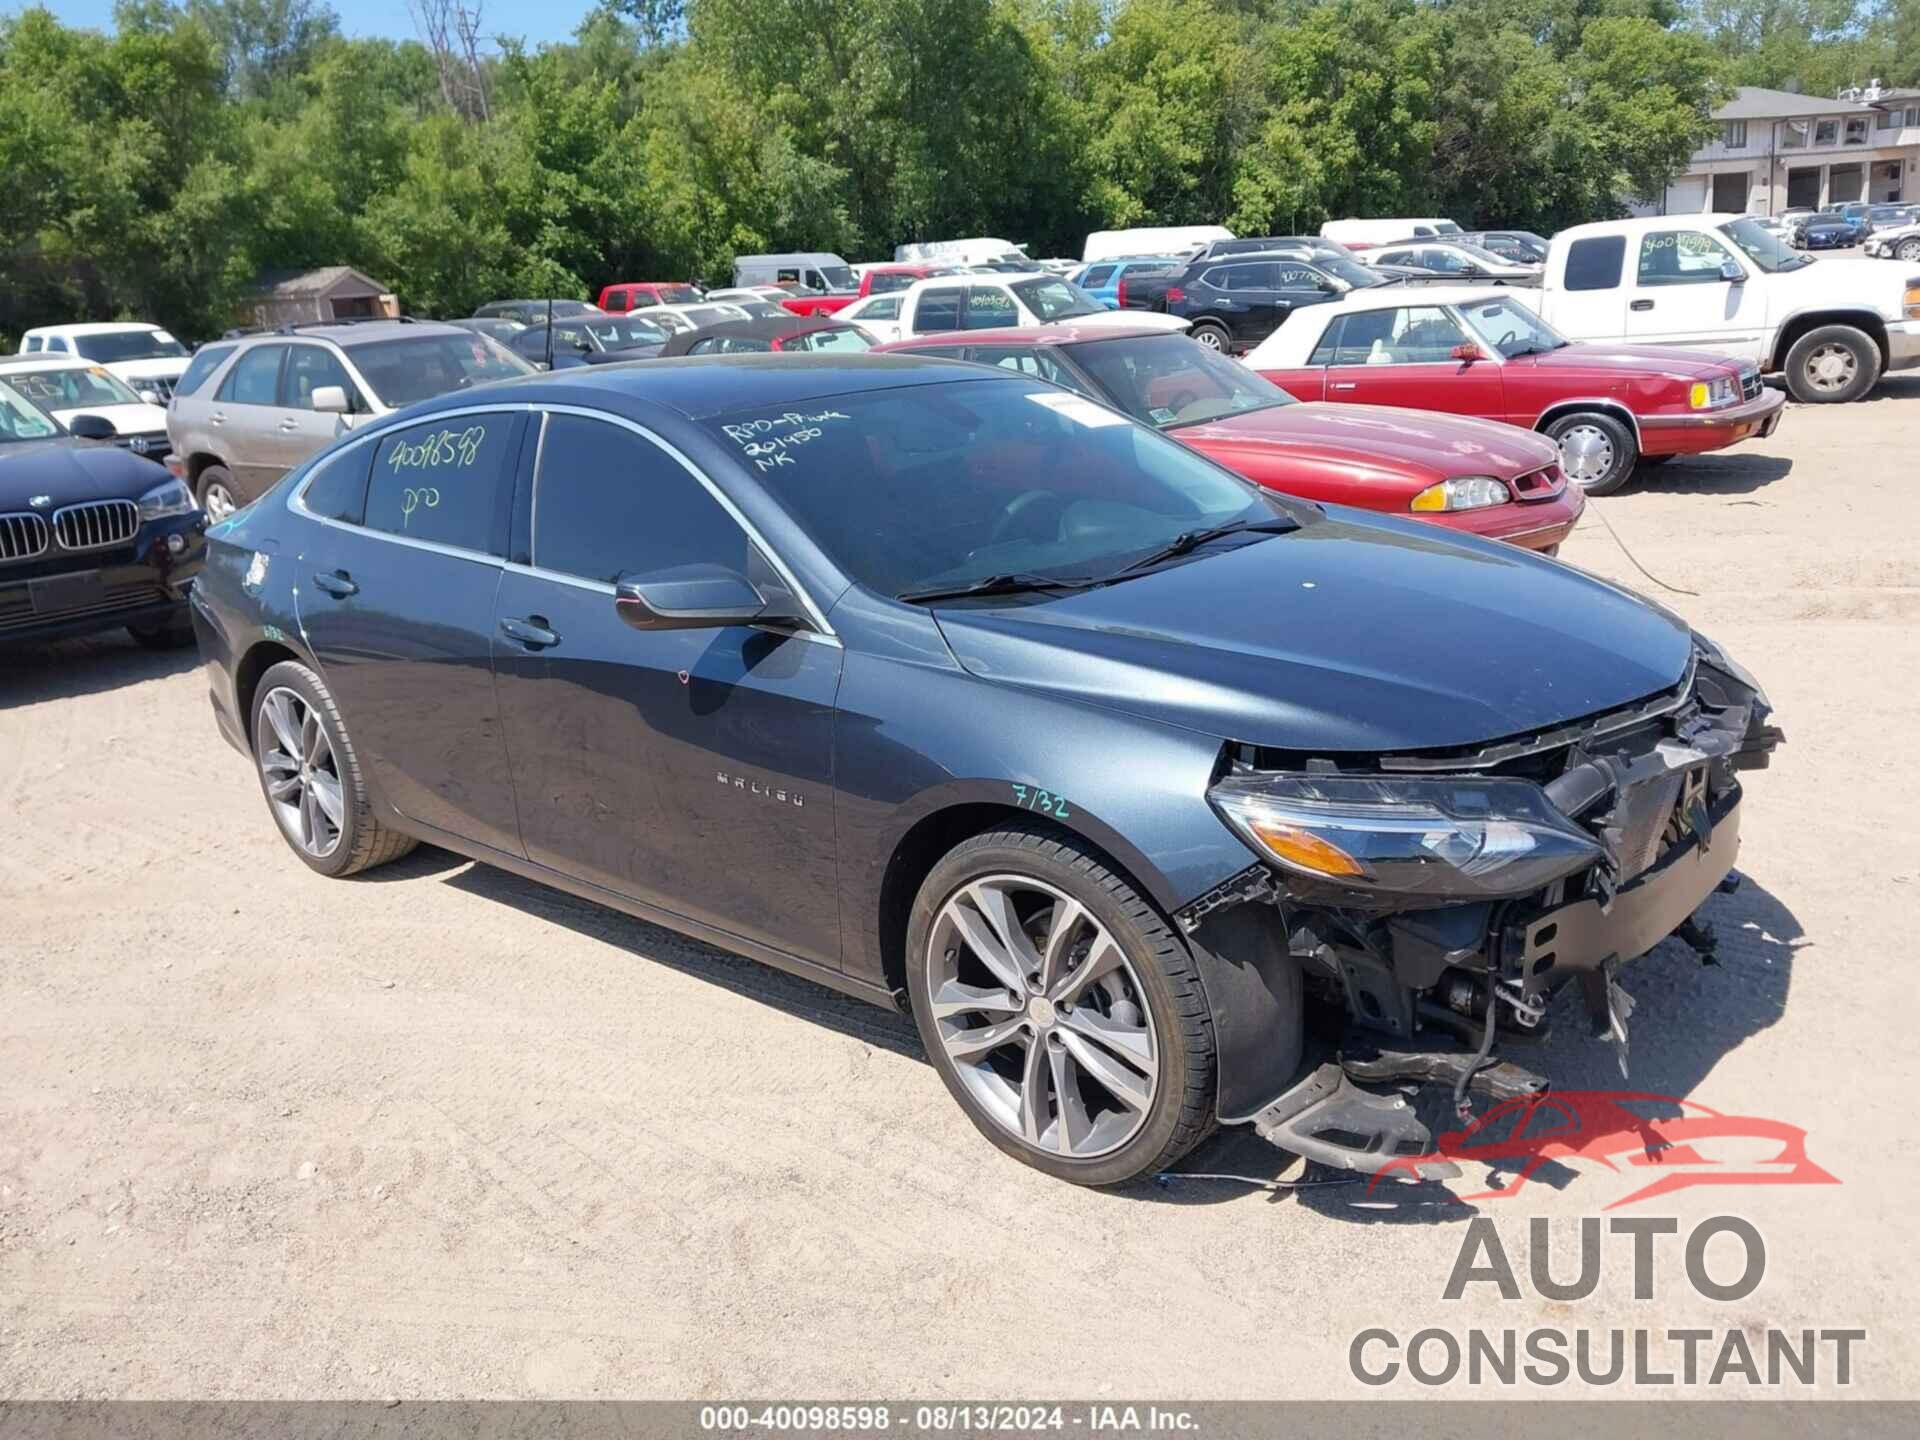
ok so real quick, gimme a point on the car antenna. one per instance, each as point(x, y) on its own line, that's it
point(549, 334)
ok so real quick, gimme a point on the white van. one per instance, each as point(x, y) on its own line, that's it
point(1151, 240)
point(1366, 234)
point(976, 250)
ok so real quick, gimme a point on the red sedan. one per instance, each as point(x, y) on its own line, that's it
point(1483, 352)
point(1464, 474)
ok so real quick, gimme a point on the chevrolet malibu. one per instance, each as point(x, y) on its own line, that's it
point(959, 692)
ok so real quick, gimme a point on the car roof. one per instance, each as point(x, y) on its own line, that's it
point(1061, 334)
point(759, 327)
point(47, 362)
point(93, 327)
point(367, 332)
point(1641, 224)
point(698, 386)
point(1393, 297)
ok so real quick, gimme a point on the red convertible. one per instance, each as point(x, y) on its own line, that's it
point(1465, 474)
point(1483, 352)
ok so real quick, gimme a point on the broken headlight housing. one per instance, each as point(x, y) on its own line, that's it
point(1471, 838)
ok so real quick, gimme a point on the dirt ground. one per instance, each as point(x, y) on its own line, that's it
point(439, 1132)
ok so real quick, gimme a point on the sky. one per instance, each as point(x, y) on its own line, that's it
point(532, 20)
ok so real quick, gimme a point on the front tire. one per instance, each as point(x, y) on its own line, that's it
point(311, 777)
point(1831, 365)
point(1064, 1014)
point(1211, 335)
point(1909, 251)
point(216, 493)
point(1597, 452)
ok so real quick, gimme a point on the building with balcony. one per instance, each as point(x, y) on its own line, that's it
point(1780, 151)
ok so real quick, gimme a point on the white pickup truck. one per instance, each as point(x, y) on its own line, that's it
point(1830, 326)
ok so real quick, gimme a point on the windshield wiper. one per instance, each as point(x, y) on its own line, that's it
point(1013, 584)
point(1189, 540)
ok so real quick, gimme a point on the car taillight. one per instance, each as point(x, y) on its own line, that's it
point(1120, 294)
point(1175, 295)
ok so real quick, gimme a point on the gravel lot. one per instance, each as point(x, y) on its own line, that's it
point(441, 1133)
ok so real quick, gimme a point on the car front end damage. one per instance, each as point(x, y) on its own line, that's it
point(1436, 902)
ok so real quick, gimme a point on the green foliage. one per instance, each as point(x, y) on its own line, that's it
point(157, 171)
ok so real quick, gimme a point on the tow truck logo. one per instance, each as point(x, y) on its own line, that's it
point(1683, 1143)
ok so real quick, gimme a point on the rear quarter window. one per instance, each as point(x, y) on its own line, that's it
point(1595, 264)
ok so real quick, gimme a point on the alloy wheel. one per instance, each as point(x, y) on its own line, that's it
point(1910, 251)
point(301, 774)
point(1831, 367)
point(1210, 338)
point(218, 501)
point(1586, 454)
point(1043, 1016)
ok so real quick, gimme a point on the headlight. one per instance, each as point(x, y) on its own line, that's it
point(1467, 492)
point(172, 498)
point(1463, 839)
point(1711, 395)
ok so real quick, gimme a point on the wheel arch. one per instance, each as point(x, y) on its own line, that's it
point(1866, 321)
point(1606, 405)
point(259, 658)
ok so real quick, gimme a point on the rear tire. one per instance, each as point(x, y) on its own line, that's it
point(1211, 335)
point(216, 493)
point(338, 834)
point(1113, 1002)
point(1832, 365)
point(1909, 251)
point(1597, 452)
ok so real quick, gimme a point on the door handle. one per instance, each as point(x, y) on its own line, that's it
point(531, 632)
point(337, 583)
point(218, 417)
point(289, 424)
point(1346, 385)
point(1640, 305)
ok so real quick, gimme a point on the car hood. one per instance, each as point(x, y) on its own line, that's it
point(1419, 446)
point(68, 470)
point(125, 419)
point(1680, 364)
point(1356, 633)
point(1129, 320)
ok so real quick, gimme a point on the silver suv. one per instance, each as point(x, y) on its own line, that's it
point(248, 410)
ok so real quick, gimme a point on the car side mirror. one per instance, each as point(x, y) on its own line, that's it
point(91, 427)
point(1730, 270)
point(149, 397)
point(689, 597)
point(1467, 354)
point(330, 398)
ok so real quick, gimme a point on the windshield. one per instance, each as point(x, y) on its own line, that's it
point(1511, 328)
point(420, 367)
point(668, 295)
point(21, 419)
point(118, 345)
point(937, 486)
point(761, 309)
point(72, 388)
point(1766, 248)
point(618, 334)
point(849, 338)
point(1480, 255)
point(1168, 380)
point(1445, 227)
point(701, 315)
point(1352, 272)
point(1056, 299)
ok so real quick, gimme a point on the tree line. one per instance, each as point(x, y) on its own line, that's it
point(155, 171)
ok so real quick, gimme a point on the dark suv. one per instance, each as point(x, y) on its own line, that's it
point(1237, 301)
point(249, 410)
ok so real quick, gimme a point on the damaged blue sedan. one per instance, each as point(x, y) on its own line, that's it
point(962, 693)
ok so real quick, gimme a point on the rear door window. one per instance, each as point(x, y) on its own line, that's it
point(1099, 275)
point(448, 480)
point(205, 361)
point(255, 377)
point(938, 310)
point(990, 308)
point(1595, 264)
point(1324, 352)
point(309, 367)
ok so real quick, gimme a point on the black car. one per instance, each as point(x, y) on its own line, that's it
point(957, 691)
point(494, 327)
point(1237, 302)
point(92, 538)
point(535, 312)
point(1521, 246)
point(588, 340)
point(1824, 231)
point(782, 334)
